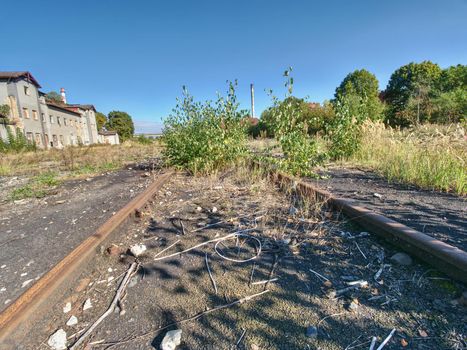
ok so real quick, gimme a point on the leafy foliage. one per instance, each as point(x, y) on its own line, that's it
point(287, 123)
point(54, 97)
point(4, 110)
point(205, 137)
point(122, 123)
point(16, 141)
point(101, 119)
point(361, 89)
point(409, 93)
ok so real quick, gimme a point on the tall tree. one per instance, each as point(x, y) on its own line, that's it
point(362, 88)
point(54, 97)
point(122, 123)
point(409, 93)
point(101, 119)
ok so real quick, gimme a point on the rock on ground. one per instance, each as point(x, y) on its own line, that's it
point(57, 341)
point(138, 249)
point(171, 340)
point(402, 259)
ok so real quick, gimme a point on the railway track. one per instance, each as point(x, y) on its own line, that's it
point(23, 311)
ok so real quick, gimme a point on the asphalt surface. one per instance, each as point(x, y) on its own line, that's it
point(440, 215)
point(35, 234)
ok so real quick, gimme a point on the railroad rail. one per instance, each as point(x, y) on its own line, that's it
point(446, 258)
point(27, 304)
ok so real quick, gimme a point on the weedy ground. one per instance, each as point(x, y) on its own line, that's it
point(307, 253)
point(40, 172)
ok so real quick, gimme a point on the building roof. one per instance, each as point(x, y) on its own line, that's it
point(62, 107)
point(82, 106)
point(16, 75)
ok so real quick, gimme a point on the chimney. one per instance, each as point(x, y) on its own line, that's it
point(62, 92)
point(252, 92)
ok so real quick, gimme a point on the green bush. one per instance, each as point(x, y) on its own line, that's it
point(144, 140)
point(202, 137)
point(16, 142)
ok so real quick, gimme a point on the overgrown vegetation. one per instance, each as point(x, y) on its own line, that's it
point(15, 142)
point(205, 137)
point(430, 156)
point(39, 186)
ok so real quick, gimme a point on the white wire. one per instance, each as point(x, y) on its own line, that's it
point(236, 235)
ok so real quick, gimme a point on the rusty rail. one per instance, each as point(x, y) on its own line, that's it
point(446, 258)
point(28, 302)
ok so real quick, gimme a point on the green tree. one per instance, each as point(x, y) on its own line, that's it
point(361, 91)
point(122, 123)
point(452, 78)
point(4, 111)
point(101, 119)
point(54, 97)
point(409, 93)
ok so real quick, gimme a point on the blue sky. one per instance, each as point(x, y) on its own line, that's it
point(136, 55)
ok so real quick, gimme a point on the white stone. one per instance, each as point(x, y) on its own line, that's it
point(171, 340)
point(138, 249)
point(25, 283)
point(57, 341)
point(67, 308)
point(72, 321)
point(199, 209)
point(377, 195)
point(402, 259)
point(214, 210)
point(87, 304)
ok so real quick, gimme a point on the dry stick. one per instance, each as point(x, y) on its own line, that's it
point(276, 261)
point(241, 337)
point(165, 249)
point(252, 272)
point(154, 331)
point(385, 341)
point(210, 274)
point(182, 226)
point(265, 281)
point(111, 308)
point(224, 221)
point(319, 275)
point(361, 251)
point(202, 244)
point(373, 343)
point(325, 318)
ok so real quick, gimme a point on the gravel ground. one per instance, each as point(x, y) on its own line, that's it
point(425, 308)
point(37, 233)
point(440, 215)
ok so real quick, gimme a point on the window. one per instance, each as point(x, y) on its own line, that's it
point(64, 121)
point(43, 117)
point(26, 90)
point(38, 139)
point(62, 140)
point(54, 140)
point(29, 137)
point(51, 119)
point(25, 113)
point(58, 121)
point(35, 115)
point(46, 137)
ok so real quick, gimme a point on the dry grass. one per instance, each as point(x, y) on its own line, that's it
point(430, 156)
point(77, 160)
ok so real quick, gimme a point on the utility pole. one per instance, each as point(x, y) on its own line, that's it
point(252, 91)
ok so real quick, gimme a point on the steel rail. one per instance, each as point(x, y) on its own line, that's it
point(25, 306)
point(444, 257)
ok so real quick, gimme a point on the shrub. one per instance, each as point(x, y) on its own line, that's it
point(16, 142)
point(144, 140)
point(202, 137)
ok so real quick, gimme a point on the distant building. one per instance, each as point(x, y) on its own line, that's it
point(109, 137)
point(48, 124)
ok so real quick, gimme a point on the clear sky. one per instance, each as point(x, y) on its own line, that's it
point(136, 55)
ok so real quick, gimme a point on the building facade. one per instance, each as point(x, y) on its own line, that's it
point(47, 123)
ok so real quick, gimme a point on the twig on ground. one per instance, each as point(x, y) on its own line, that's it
point(252, 272)
point(241, 337)
point(165, 249)
point(182, 226)
point(353, 285)
point(155, 331)
point(385, 341)
point(121, 288)
point(329, 316)
point(358, 247)
point(276, 261)
point(319, 275)
point(210, 274)
point(265, 281)
point(373, 343)
point(356, 340)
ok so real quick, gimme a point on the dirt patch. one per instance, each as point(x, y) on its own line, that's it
point(307, 254)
